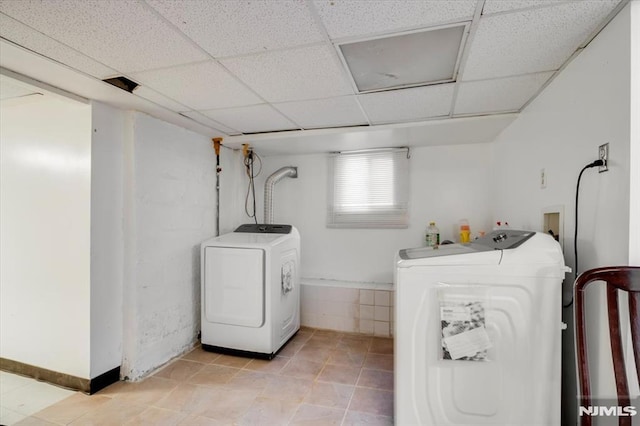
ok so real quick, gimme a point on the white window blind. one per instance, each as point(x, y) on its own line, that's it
point(369, 189)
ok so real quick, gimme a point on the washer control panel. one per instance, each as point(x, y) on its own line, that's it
point(503, 239)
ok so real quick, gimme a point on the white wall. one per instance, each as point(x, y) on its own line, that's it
point(634, 149)
point(107, 237)
point(45, 240)
point(585, 106)
point(169, 210)
point(448, 183)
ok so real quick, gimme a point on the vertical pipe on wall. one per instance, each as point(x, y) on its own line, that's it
point(216, 147)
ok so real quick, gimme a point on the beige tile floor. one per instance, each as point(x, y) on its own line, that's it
point(320, 378)
point(21, 397)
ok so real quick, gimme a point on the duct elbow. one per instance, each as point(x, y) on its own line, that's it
point(275, 177)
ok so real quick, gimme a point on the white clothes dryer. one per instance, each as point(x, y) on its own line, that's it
point(250, 290)
point(478, 332)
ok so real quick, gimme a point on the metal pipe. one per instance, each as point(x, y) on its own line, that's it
point(288, 171)
point(216, 147)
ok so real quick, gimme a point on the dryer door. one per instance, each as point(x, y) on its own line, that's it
point(234, 286)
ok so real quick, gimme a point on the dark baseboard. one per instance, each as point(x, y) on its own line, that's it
point(88, 386)
point(237, 352)
point(105, 379)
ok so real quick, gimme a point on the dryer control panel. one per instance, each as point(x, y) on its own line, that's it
point(257, 228)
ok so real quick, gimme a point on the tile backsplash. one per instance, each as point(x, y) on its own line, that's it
point(350, 309)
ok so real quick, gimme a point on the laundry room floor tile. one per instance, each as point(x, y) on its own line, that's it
point(321, 377)
point(180, 370)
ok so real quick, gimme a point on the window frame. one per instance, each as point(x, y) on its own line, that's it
point(375, 215)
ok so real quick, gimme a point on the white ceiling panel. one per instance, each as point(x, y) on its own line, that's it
point(496, 6)
point(24, 36)
point(206, 121)
point(125, 34)
point(408, 104)
point(267, 65)
point(358, 18)
point(228, 28)
point(297, 74)
point(256, 118)
point(333, 112)
point(532, 40)
point(155, 97)
point(205, 85)
point(502, 94)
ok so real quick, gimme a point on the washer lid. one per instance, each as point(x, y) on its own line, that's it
point(496, 240)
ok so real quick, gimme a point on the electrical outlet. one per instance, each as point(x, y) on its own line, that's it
point(603, 154)
point(543, 179)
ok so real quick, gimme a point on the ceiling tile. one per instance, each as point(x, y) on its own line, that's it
point(291, 75)
point(333, 112)
point(204, 120)
point(126, 35)
point(532, 40)
point(157, 98)
point(358, 18)
point(205, 85)
point(408, 104)
point(227, 28)
point(27, 37)
point(502, 94)
point(251, 119)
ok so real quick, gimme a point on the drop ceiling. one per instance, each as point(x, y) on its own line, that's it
point(246, 67)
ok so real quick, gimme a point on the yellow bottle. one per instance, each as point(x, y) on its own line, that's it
point(465, 231)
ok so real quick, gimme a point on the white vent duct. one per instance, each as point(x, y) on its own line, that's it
point(278, 175)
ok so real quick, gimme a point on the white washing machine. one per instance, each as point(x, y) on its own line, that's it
point(250, 287)
point(478, 332)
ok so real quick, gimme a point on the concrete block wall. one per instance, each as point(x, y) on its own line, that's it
point(172, 201)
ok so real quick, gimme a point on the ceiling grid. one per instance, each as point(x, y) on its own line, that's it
point(259, 66)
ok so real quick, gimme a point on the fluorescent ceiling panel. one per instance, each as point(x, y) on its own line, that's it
point(333, 112)
point(499, 95)
point(205, 85)
point(412, 59)
point(305, 73)
point(228, 28)
point(358, 18)
point(22, 35)
point(413, 104)
point(126, 35)
point(251, 119)
point(532, 40)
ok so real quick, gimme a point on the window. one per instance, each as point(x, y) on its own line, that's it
point(369, 189)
